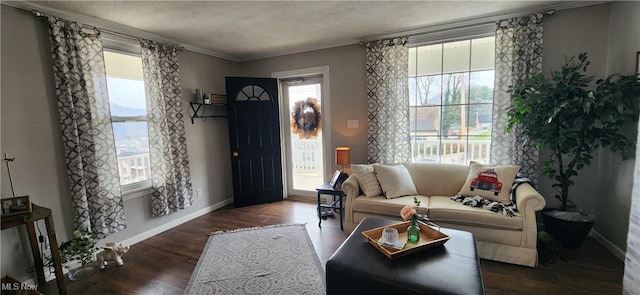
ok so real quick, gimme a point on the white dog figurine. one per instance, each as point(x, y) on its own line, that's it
point(111, 252)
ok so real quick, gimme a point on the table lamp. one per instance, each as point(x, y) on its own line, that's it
point(342, 156)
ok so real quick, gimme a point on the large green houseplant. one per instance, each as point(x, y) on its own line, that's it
point(572, 117)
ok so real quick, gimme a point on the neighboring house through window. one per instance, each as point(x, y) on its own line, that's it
point(451, 98)
point(127, 101)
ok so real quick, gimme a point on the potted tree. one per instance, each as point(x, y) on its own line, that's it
point(572, 118)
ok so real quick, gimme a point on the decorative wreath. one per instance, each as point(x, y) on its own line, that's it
point(306, 118)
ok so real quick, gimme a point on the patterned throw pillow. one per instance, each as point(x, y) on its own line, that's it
point(395, 180)
point(493, 183)
point(367, 179)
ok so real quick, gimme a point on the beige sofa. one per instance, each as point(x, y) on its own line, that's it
point(499, 237)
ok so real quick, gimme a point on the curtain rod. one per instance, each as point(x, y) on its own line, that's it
point(40, 14)
point(387, 41)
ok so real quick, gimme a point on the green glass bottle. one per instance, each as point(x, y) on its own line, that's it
point(413, 231)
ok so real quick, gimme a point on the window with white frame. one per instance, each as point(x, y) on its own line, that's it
point(451, 98)
point(125, 85)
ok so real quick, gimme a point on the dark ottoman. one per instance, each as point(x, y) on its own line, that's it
point(359, 268)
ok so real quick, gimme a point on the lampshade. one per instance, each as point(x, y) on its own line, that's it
point(342, 155)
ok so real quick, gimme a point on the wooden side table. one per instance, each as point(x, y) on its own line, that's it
point(336, 204)
point(29, 219)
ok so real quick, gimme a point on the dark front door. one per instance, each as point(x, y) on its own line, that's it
point(254, 133)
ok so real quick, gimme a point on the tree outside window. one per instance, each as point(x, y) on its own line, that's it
point(451, 97)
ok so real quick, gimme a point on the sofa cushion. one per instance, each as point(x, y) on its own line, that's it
point(367, 179)
point(443, 209)
point(388, 207)
point(493, 183)
point(437, 179)
point(395, 180)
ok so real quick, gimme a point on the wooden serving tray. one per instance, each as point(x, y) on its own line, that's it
point(429, 238)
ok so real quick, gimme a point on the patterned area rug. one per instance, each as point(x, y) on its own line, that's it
point(277, 259)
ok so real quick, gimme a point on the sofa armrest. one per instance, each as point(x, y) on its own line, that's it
point(529, 201)
point(528, 198)
point(351, 188)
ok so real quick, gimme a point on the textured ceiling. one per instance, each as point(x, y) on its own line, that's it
point(245, 30)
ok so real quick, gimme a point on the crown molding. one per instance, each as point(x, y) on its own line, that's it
point(482, 20)
point(294, 51)
point(112, 26)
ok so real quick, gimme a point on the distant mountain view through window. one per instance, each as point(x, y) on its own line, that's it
point(127, 101)
point(131, 137)
point(125, 86)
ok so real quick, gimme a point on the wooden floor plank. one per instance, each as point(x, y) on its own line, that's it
point(163, 263)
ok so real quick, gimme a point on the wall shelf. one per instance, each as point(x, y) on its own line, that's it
point(217, 110)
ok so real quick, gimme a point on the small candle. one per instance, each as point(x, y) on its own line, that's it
point(199, 95)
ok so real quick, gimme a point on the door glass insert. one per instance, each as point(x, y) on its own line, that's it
point(304, 136)
point(253, 92)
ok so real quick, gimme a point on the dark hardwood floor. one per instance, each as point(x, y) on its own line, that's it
point(163, 264)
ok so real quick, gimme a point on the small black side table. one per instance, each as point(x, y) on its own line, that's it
point(327, 189)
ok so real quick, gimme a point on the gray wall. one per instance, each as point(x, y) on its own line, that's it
point(610, 34)
point(348, 90)
point(616, 176)
point(567, 33)
point(31, 134)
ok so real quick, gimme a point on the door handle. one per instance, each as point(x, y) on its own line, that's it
point(235, 154)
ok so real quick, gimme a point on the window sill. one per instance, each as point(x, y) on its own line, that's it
point(136, 193)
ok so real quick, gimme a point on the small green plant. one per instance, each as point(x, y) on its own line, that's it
point(572, 119)
point(82, 247)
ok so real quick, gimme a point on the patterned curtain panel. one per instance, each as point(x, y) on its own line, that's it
point(631, 280)
point(518, 57)
point(170, 176)
point(388, 101)
point(78, 68)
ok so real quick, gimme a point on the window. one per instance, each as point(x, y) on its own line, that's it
point(451, 98)
point(125, 85)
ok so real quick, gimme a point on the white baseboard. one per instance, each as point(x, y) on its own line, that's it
point(169, 225)
point(150, 233)
point(617, 252)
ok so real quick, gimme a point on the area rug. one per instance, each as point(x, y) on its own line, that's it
point(277, 259)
